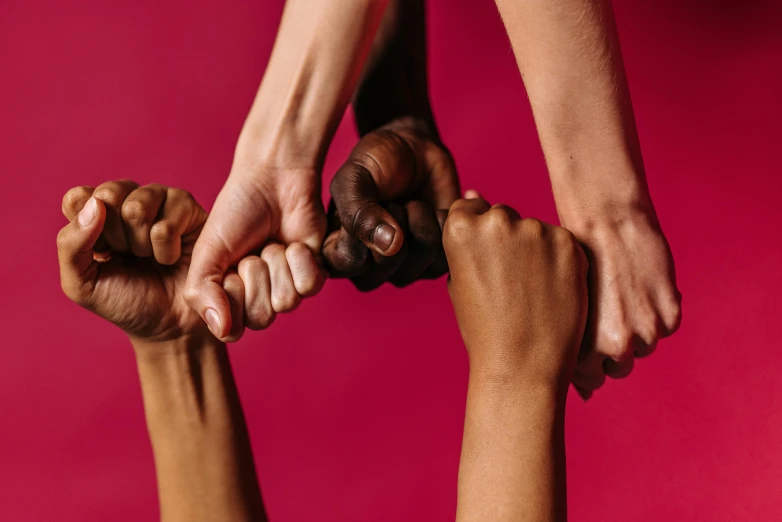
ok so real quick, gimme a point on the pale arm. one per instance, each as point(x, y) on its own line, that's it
point(318, 56)
point(569, 57)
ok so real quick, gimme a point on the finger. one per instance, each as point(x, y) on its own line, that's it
point(74, 200)
point(424, 243)
point(74, 250)
point(344, 255)
point(474, 206)
point(113, 194)
point(139, 211)
point(308, 277)
point(211, 257)
point(583, 393)
point(384, 267)
point(444, 192)
point(357, 199)
point(439, 266)
point(234, 289)
point(283, 295)
point(258, 311)
point(512, 212)
point(618, 369)
point(589, 374)
point(180, 215)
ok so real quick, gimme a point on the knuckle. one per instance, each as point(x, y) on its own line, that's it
point(672, 317)
point(73, 198)
point(272, 250)
point(162, 232)
point(533, 228)
point(458, 227)
point(249, 265)
point(109, 195)
point(498, 219)
point(362, 220)
point(350, 261)
point(649, 330)
point(617, 345)
point(285, 299)
point(134, 212)
point(260, 317)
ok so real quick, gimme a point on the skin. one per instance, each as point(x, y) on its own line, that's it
point(400, 179)
point(144, 238)
point(569, 57)
point(518, 288)
point(273, 191)
point(519, 292)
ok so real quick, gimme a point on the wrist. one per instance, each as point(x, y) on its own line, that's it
point(522, 378)
point(173, 375)
point(152, 352)
point(546, 400)
point(602, 222)
point(289, 146)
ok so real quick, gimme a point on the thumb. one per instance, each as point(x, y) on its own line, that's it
point(356, 198)
point(75, 244)
point(204, 292)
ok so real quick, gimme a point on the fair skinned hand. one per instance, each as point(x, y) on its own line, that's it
point(125, 254)
point(518, 288)
point(388, 204)
point(634, 301)
point(275, 209)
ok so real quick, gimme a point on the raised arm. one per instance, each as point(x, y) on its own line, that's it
point(273, 191)
point(203, 460)
point(518, 288)
point(387, 194)
point(569, 57)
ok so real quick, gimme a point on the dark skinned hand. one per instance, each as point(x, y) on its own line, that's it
point(389, 202)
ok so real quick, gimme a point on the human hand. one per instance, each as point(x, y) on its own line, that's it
point(145, 237)
point(518, 288)
point(634, 301)
point(256, 208)
point(388, 204)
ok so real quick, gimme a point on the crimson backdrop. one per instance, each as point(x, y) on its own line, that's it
point(352, 420)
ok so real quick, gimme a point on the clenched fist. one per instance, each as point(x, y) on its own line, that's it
point(125, 254)
point(519, 291)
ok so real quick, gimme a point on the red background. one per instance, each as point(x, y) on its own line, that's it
point(353, 419)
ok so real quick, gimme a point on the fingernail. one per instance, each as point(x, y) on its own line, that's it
point(213, 322)
point(471, 194)
point(383, 236)
point(88, 213)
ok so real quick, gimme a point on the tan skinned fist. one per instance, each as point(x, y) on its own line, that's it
point(518, 288)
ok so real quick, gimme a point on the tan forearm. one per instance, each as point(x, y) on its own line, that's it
point(317, 59)
point(513, 456)
point(203, 459)
point(569, 57)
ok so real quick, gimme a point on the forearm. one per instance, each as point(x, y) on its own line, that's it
point(203, 458)
point(394, 83)
point(569, 57)
point(513, 454)
point(318, 56)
